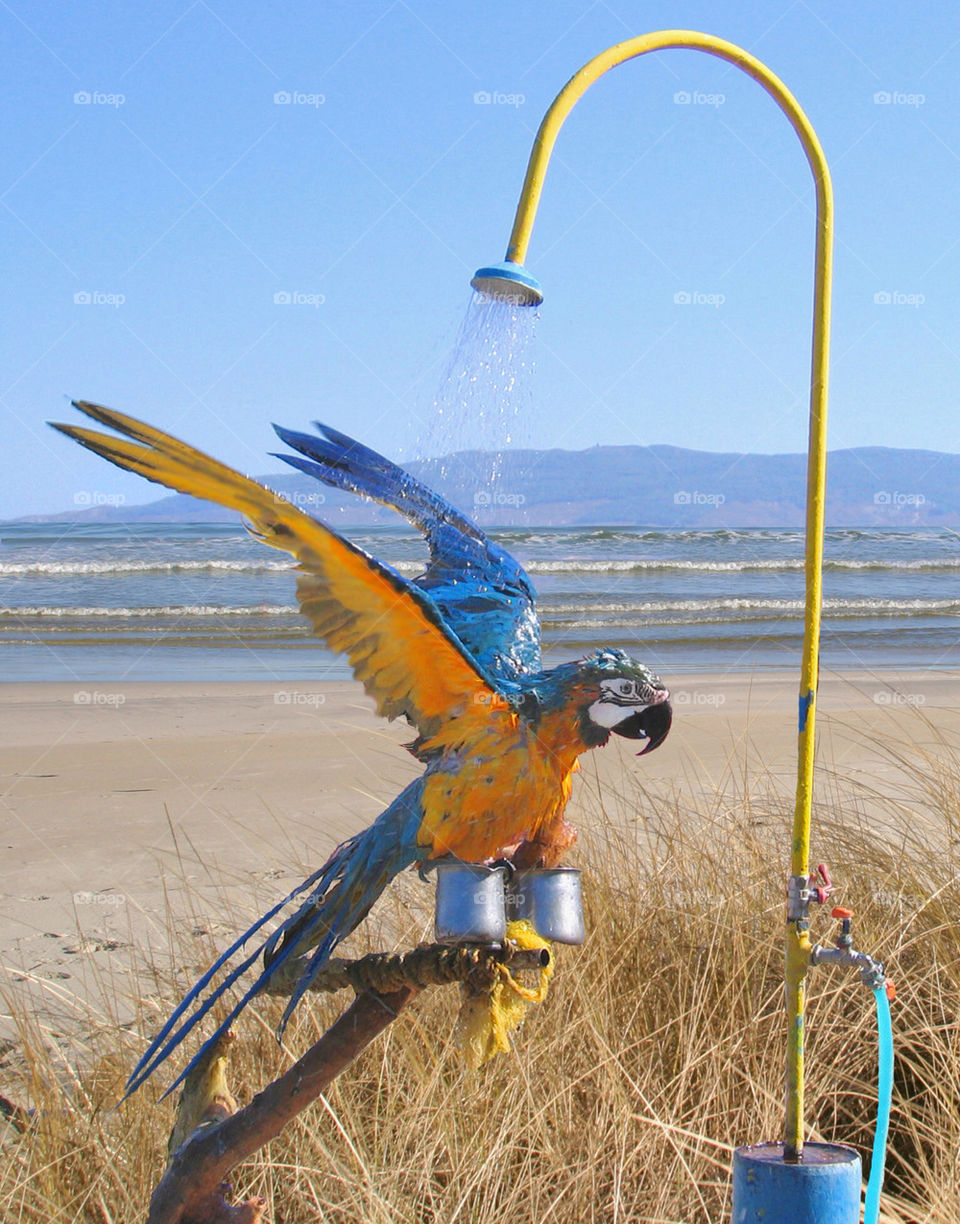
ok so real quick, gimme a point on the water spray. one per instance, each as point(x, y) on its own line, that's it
point(788, 1182)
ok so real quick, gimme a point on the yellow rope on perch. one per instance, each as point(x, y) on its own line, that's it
point(488, 1017)
point(206, 1098)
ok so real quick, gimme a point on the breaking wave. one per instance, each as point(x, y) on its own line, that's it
point(573, 565)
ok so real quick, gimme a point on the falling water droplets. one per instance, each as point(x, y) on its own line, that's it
point(484, 405)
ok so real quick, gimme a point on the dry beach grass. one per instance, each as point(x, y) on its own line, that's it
point(659, 1048)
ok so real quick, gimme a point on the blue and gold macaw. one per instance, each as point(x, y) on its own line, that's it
point(456, 652)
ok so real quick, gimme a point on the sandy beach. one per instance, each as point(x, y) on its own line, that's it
point(128, 803)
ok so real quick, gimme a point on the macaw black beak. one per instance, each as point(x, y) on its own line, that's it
point(653, 724)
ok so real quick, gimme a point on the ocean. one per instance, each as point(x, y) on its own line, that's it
point(99, 602)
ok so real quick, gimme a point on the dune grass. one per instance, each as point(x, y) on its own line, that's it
point(659, 1048)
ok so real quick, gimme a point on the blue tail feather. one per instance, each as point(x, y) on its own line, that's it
point(141, 1071)
point(342, 893)
point(155, 1055)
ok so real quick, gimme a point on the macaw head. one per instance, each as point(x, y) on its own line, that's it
point(616, 693)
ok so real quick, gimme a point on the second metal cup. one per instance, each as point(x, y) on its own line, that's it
point(550, 899)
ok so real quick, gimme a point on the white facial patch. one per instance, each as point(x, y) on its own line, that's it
point(619, 699)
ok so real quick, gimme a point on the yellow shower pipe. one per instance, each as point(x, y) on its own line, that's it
point(797, 938)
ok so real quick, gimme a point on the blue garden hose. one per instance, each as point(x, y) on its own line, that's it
point(825, 1187)
point(871, 1210)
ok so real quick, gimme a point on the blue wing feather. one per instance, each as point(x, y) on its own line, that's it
point(483, 592)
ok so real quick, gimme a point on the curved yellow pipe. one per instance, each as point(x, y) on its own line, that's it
point(797, 940)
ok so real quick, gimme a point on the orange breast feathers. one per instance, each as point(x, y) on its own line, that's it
point(497, 787)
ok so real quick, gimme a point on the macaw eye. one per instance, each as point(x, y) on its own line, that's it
point(625, 688)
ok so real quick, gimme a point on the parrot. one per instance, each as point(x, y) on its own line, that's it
point(455, 651)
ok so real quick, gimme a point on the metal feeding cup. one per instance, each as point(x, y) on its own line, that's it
point(470, 904)
point(475, 903)
point(550, 899)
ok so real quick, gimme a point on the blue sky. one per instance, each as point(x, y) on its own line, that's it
point(184, 189)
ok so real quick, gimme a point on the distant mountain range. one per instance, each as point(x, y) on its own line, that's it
point(654, 486)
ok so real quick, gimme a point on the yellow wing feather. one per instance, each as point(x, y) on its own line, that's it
point(407, 659)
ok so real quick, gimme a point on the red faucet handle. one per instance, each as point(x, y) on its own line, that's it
point(890, 990)
point(822, 892)
point(840, 911)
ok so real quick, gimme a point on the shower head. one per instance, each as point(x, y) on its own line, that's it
point(508, 282)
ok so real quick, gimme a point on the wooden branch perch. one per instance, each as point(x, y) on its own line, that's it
point(429, 965)
point(211, 1136)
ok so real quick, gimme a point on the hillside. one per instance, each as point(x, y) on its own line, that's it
point(664, 486)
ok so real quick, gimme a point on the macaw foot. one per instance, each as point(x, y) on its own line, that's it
point(431, 864)
point(547, 848)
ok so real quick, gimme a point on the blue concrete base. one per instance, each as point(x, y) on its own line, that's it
point(823, 1189)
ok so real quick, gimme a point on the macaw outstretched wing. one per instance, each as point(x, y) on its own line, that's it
point(401, 648)
point(483, 592)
